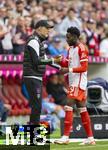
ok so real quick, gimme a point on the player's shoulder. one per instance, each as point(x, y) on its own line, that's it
point(82, 47)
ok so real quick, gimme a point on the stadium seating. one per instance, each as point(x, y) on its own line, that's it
point(11, 94)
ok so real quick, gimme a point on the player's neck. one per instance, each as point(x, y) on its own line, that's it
point(76, 44)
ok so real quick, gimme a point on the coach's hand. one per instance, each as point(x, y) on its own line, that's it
point(58, 59)
point(64, 70)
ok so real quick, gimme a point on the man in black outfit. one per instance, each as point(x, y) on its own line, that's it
point(55, 88)
point(34, 67)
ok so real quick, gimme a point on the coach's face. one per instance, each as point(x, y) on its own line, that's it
point(44, 32)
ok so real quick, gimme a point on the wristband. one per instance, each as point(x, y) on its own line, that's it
point(70, 70)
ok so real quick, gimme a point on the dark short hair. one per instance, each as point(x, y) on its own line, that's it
point(19, 2)
point(71, 9)
point(74, 30)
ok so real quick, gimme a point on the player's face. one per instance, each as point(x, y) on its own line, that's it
point(71, 39)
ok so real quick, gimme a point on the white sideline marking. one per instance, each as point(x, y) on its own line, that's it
point(79, 140)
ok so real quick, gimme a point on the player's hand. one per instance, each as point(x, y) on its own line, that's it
point(58, 59)
point(64, 70)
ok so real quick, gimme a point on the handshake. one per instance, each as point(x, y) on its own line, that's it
point(57, 61)
point(60, 64)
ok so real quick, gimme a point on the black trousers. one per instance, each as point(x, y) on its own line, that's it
point(34, 88)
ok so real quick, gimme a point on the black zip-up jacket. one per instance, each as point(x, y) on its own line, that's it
point(34, 58)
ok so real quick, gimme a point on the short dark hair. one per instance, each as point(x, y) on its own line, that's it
point(19, 2)
point(74, 30)
point(71, 9)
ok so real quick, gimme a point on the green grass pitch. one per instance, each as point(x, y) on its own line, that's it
point(75, 146)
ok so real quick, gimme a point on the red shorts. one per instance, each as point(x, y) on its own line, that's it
point(76, 93)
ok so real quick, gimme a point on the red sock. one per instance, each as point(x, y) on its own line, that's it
point(86, 123)
point(68, 122)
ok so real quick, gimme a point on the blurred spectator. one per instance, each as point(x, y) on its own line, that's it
point(45, 4)
point(48, 13)
point(3, 16)
point(28, 21)
point(92, 37)
point(4, 109)
point(69, 20)
point(104, 46)
point(20, 8)
point(2, 33)
point(55, 48)
point(87, 6)
point(83, 16)
point(10, 5)
point(31, 5)
point(56, 90)
point(5, 41)
point(3, 117)
point(20, 37)
point(2, 2)
point(49, 106)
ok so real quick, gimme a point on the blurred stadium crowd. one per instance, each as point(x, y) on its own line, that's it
point(17, 18)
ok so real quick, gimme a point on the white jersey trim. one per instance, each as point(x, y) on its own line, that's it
point(83, 60)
